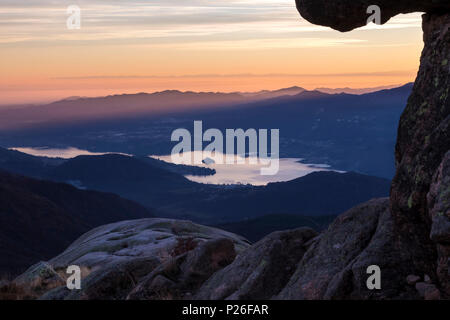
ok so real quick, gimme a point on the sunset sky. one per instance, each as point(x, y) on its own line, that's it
point(201, 45)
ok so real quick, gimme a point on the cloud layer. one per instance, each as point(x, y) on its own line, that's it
point(248, 23)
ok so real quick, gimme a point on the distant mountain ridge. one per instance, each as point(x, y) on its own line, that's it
point(114, 106)
point(267, 94)
point(125, 105)
point(356, 90)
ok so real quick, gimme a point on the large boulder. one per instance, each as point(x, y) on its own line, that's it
point(261, 271)
point(144, 238)
point(180, 277)
point(346, 15)
point(335, 266)
point(117, 258)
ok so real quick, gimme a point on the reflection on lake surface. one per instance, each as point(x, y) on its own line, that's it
point(246, 173)
point(289, 168)
point(64, 153)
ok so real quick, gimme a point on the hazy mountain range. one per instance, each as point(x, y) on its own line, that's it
point(347, 131)
point(355, 91)
point(125, 105)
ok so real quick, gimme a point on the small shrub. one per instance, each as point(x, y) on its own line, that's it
point(12, 291)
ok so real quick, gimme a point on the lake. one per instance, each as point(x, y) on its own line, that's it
point(247, 173)
point(64, 153)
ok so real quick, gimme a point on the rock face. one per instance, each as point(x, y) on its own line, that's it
point(261, 271)
point(423, 142)
point(335, 266)
point(419, 193)
point(438, 205)
point(346, 15)
point(139, 255)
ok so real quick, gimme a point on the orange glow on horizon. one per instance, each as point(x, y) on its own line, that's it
point(256, 45)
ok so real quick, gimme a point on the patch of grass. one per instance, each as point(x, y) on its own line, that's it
point(10, 290)
point(30, 291)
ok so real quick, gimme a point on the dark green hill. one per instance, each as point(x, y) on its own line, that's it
point(39, 219)
point(256, 229)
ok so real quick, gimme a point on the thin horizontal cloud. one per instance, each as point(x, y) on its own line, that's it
point(242, 75)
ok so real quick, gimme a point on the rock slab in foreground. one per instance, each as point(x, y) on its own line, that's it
point(197, 262)
point(298, 264)
point(180, 277)
point(262, 270)
point(116, 258)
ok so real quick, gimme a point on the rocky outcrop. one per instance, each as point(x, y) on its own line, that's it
point(439, 212)
point(423, 140)
point(181, 277)
point(143, 238)
point(138, 259)
point(419, 209)
point(261, 271)
point(153, 259)
point(346, 15)
point(335, 267)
